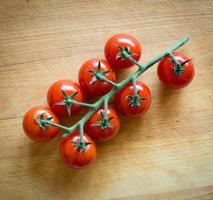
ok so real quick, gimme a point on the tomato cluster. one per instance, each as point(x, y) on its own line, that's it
point(96, 77)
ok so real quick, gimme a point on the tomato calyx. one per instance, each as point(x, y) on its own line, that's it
point(124, 53)
point(81, 146)
point(134, 100)
point(104, 123)
point(68, 101)
point(43, 121)
point(178, 68)
point(97, 74)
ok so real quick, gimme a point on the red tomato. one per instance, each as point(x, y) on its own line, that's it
point(123, 40)
point(34, 130)
point(91, 84)
point(103, 129)
point(75, 157)
point(166, 71)
point(59, 95)
point(130, 104)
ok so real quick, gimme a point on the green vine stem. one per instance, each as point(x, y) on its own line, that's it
point(103, 78)
point(87, 105)
point(117, 86)
point(43, 122)
point(134, 80)
point(81, 128)
point(105, 107)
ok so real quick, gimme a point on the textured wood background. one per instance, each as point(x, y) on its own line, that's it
point(166, 154)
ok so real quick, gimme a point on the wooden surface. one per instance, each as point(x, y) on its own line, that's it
point(166, 154)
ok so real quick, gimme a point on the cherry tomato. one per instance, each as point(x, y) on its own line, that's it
point(60, 96)
point(89, 81)
point(36, 131)
point(101, 127)
point(78, 156)
point(132, 104)
point(123, 40)
point(169, 75)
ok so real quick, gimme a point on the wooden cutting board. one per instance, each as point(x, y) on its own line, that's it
point(165, 154)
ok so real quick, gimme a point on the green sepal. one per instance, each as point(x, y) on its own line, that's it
point(61, 103)
point(105, 72)
point(68, 101)
point(93, 80)
point(104, 123)
point(64, 93)
point(178, 71)
point(41, 125)
point(99, 67)
point(178, 68)
point(43, 121)
point(110, 118)
point(96, 73)
point(134, 100)
point(72, 96)
point(184, 62)
point(124, 53)
point(68, 106)
point(49, 118)
point(81, 146)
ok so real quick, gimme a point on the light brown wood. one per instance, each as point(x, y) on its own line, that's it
point(165, 154)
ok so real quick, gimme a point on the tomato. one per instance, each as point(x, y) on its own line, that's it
point(88, 80)
point(100, 128)
point(170, 76)
point(73, 155)
point(123, 40)
point(60, 96)
point(36, 131)
point(130, 104)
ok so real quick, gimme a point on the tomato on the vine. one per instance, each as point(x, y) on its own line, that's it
point(103, 126)
point(122, 40)
point(76, 154)
point(133, 103)
point(33, 126)
point(89, 80)
point(176, 76)
point(61, 95)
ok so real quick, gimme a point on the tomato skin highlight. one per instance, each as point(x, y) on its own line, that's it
point(97, 88)
point(123, 40)
point(32, 128)
point(168, 77)
point(122, 101)
point(54, 96)
point(99, 134)
point(72, 156)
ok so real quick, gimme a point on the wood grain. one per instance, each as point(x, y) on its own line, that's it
point(165, 154)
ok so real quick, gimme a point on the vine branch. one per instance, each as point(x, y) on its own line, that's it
point(117, 86)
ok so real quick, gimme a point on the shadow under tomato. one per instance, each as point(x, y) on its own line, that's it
point(167, 100)
point(47, 170)
point(166, 92)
